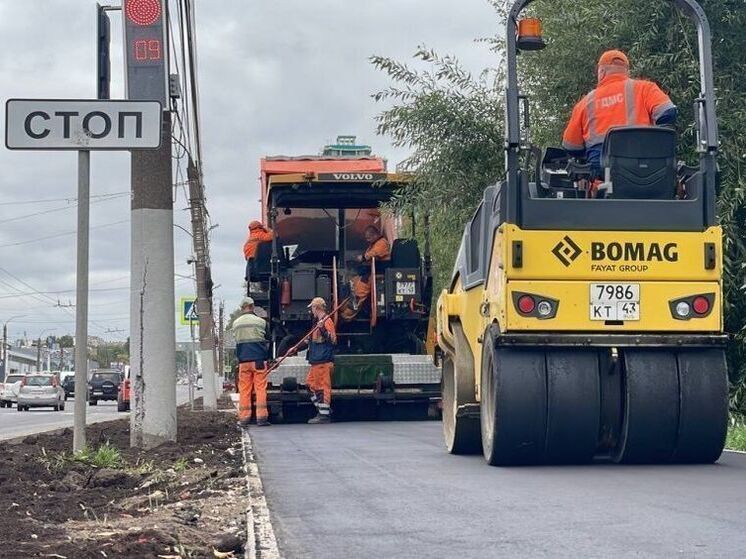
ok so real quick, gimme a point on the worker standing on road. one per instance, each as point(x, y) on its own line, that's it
point(320, 355)
point(378, 248)
point(617, 101)
point(250, 333)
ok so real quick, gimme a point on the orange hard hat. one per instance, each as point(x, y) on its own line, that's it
point(614, 58)
point(255, 225)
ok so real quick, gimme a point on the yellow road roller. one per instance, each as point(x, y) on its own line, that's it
point(580, 328)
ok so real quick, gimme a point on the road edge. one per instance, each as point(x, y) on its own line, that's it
point(261, 542)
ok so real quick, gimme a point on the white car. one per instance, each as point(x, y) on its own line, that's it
point(41, 391)
point(9, 390)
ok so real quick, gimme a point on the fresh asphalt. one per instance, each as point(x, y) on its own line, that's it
point(390, 490)
point(18, 424)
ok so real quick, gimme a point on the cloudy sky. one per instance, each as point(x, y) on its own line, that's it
point(276, 77)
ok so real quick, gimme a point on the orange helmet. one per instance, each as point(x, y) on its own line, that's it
point(255, 225)
point(614, 58)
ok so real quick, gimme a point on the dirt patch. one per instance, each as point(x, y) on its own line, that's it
point(179, 499)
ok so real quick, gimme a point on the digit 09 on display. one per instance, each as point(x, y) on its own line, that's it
point(145, 49)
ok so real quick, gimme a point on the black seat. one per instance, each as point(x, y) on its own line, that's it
point(641, 161)
point(405, 254)
point(260, 266)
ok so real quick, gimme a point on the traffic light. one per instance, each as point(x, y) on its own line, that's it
point(146, 50)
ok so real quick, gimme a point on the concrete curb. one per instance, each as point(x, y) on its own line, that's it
point(260, 536)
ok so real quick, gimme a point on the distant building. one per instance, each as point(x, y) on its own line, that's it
point(346, 146)
point(21, 361)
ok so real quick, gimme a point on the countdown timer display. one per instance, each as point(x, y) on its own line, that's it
point(146, 51)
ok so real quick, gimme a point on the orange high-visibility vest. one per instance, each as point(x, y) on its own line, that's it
point(618, 101)
point(257, 236)
point(378, 249)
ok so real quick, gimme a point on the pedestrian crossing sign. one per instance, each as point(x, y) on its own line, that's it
point(188, 308)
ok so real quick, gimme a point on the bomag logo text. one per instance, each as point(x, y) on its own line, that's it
point(635, 252)
point(635, 256)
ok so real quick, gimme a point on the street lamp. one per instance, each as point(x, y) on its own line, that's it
point(5, 342)
point(38, 347)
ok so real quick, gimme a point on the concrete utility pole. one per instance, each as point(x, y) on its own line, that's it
point(152, 316)
point(204, 286)
point(152, 312)
point(5, 350)
point(221, 340)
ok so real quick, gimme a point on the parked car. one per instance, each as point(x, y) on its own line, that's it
point(68, 385)
point(9, 390)
point(40, 391)
point(104, 385)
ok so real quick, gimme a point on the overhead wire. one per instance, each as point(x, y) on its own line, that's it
point(53, 210)
point(66, 199)
point(63, 234)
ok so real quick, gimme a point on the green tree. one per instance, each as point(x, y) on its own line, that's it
point(452, 122)
point(66, 341)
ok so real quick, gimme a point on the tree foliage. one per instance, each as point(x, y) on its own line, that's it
point(453, 122)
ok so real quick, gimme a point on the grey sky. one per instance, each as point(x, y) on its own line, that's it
point(276, 77)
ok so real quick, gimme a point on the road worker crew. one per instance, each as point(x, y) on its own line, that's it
point(378, 248)
point(258, 234)
point(250, 333)
point(320, 355)
point(617, 101)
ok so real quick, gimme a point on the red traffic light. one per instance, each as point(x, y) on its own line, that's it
point(143, 12)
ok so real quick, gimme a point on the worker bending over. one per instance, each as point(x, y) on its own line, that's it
point(617, 101)
point(378, 248)
point(258, 234)
point(320, 354)
point(250, 333)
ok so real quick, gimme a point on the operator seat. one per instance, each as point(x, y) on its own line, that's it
point(640, 162)
point(405, 254)
point(260, 266)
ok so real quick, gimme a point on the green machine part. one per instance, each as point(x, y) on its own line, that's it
point(361, 371)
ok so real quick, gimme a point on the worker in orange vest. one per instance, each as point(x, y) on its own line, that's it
point(378, 248)
point(258, 234)
point(617, 101)
point(321, 348)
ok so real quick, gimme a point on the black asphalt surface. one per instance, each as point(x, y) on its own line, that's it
point(389, 490)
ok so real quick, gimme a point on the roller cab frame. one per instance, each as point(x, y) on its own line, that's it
point(577, 329)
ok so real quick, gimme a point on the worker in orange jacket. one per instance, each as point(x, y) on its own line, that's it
point(321, 347)
point(378, 248)
point(258, 234)
point(617, 101)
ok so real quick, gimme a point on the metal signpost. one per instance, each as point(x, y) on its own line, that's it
point(187, 317)
point(83, 126)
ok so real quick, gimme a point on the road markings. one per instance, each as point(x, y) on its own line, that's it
point(261, 542)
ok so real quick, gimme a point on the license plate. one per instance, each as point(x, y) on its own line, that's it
point(615, 301)
point(405, 288)
point(98, 392)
